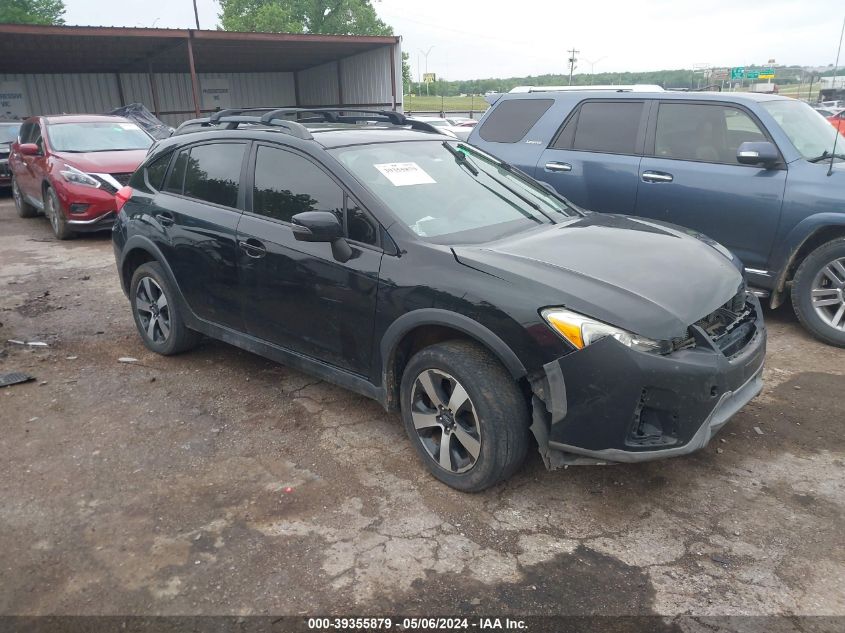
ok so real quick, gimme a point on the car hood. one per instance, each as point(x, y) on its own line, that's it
point(105, 162)
point(650, 278)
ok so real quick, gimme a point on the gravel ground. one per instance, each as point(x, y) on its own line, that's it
point(217, 482)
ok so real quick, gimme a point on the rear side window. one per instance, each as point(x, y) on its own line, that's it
point(510, 121)
point(213, 173)
point(610, 127)
point(156, 171)
point(287, 184)
point(176, 178)
point(703, 132)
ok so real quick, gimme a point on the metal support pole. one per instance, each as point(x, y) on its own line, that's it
point(194, 81)
point(339, 85)
point(153, 87)
point(393, 75)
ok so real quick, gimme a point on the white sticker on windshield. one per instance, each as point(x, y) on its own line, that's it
point(127, 126)
point(403, 174)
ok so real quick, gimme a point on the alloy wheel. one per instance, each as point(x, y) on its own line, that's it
point(16, 194)
point(828, 294)
point(446, 421)
point(152, 310)
point(52, 212)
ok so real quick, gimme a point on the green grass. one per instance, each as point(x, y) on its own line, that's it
point(434, 104)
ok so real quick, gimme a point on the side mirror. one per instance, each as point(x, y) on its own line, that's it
point(28, 149)
point(757, 153)
point(322, 226)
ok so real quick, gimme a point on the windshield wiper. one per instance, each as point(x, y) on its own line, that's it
point(461, 158)
point(824, 156)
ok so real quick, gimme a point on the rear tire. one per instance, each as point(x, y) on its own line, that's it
point(24, 209)
point(54, 213)
point(157, 313)
point(818, 292)
point(478, 409)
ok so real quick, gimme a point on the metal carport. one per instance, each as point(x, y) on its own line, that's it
point(180, 73)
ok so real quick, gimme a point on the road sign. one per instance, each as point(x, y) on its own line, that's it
point(767, 73)
point(752, 74)
point(429, 78)
point(737, 72)
point(719, 73)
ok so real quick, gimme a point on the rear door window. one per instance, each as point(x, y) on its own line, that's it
point(511, 120)
point(213, 173)
point(609, 127)
point(176, 179)
point(710, 133)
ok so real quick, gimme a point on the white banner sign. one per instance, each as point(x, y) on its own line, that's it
point(13, 104)
point(216, 93)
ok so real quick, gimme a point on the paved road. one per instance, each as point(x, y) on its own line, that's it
point(219, 482)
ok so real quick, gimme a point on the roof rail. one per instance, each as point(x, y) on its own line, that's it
point(272, 117)
point(291, 127)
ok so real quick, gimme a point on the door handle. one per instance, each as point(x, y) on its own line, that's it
point(556, 166)
point(165, 219)
point(656, 176)
point(253, 248)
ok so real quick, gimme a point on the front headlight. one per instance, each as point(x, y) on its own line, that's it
point(581, 331)
point(72, 174)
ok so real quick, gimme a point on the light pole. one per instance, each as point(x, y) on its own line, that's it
point(593, 66)
point(425, 54)
point(572, 60)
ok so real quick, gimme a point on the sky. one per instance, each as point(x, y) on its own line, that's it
point(477, 39)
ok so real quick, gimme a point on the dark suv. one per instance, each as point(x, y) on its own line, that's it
point(764, 175)
point(377, 254)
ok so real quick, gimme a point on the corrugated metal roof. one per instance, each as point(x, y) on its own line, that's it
point(67, 49)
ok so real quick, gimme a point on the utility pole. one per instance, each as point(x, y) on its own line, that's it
point(425, 54)
point(196, 15)
point(572, 60)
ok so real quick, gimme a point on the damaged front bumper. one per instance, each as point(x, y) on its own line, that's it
point(609, 403)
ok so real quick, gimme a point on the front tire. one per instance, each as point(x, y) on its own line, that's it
point(465, 415)
point(157, 314)
point(54, 213)
point(818, 292)
point(24, 209)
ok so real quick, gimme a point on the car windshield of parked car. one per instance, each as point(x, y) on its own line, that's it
point(100, 136)
point(455, 191)
point(9, 132)
point(809, 131)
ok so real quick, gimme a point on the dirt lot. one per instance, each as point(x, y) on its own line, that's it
point(218, 482)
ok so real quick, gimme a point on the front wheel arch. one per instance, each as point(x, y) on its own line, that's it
point(421, 328)
point(819, 237)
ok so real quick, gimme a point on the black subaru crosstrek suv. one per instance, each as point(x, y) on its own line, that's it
point(375, 253)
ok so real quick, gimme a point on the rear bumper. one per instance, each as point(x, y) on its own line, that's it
point(610, 403)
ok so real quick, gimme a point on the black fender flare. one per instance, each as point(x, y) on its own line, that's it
point(436, 316)
point(787, 252)
point(139, 242)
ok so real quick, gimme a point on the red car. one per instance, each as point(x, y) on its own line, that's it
point(69, 167)
point(838, 121)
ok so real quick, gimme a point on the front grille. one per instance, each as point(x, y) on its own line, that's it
point(123, 179)
point(4, 169)
point(732, 325)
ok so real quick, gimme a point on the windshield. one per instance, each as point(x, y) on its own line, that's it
point(433, 194)
point(9, 132)
point(808, 130)
point(100, 136)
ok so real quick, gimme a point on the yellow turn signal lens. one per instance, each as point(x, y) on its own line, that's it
point(570, 331)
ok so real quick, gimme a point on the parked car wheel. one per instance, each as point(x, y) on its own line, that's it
point(465, 415)
point(156, 313)
point(24, 209)
point(818, 292)
point(53, 211)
